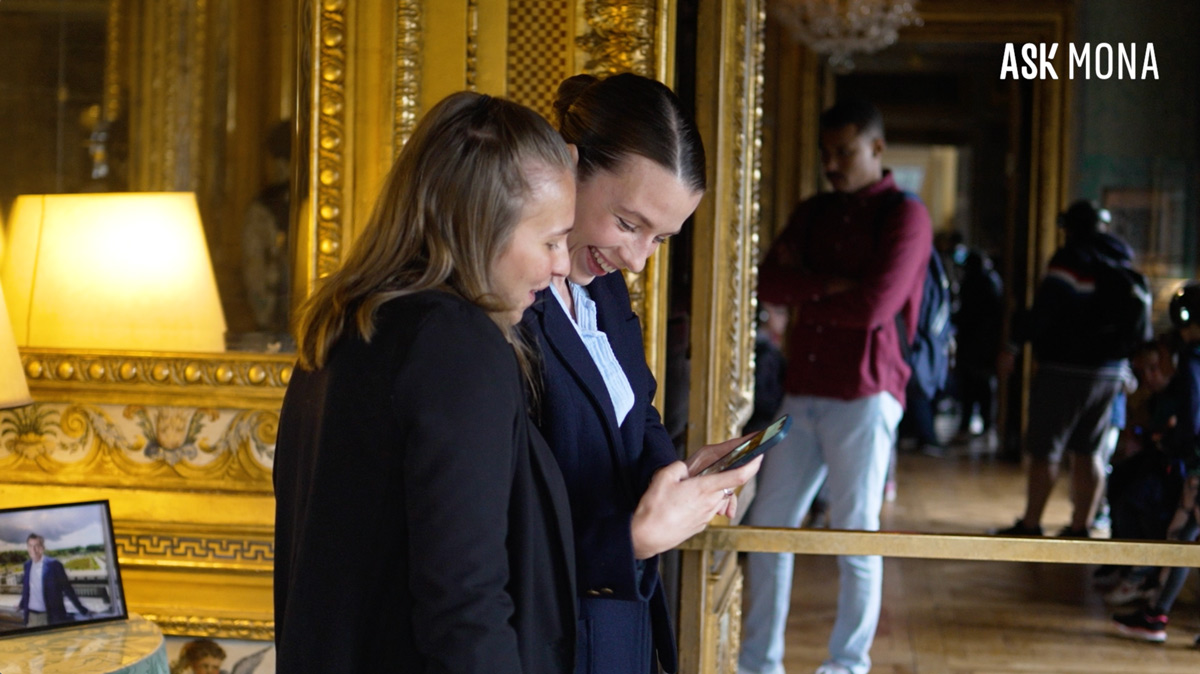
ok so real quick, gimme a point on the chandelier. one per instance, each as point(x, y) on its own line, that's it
point(841, 28)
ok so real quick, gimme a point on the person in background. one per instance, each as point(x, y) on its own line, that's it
point(1073, 390)
point(978, 327)
point(1143, 482)
point(422, 524)
point(847, 263)
point(641, 174)
point(1181, 441)
point(265, 268)
point(770, 366)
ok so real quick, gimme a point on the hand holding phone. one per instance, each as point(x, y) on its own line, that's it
point(753, 446)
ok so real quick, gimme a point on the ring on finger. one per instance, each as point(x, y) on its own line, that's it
point(727, 491)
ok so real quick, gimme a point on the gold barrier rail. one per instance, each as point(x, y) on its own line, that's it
point(945, 546)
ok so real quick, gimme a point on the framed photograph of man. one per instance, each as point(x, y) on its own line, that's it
point(58, 568)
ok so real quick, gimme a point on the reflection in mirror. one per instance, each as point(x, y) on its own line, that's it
point(966, 141)
point(52, 93)
point(164, 96)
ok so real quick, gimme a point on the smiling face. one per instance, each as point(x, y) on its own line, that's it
point(621, 216)
point(537, 250)
point(851, 160)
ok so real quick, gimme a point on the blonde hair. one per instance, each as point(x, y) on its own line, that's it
point(447, 209)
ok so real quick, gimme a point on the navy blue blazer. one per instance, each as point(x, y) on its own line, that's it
point(607, 468)
point(55, 586)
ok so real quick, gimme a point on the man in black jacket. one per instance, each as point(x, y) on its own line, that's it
point(1074, 388)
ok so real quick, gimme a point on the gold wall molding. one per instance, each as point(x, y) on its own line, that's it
point(620, 37)
point(408, 72)
point(159, 447)
point(330, 105)
point(472, 75)
point(234, 370)
point(209, 626)
point(729, 93)
point(320, 172)
point(249, 380)
point(729, 89)
point(215, 550)
point(740, 265)
point(725, 588)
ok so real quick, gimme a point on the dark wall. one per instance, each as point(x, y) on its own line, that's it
point(1140, 136)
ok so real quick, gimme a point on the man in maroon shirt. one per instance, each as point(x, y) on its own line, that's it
point(847, 264)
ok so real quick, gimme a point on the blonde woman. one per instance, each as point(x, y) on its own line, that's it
point(422, 524)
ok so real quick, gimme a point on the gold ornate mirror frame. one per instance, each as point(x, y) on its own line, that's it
point(182, 444)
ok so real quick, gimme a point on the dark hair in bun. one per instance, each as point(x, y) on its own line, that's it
point(609, 119)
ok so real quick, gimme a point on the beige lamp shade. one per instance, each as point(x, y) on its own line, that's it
point(14, 392)
point(125, 271)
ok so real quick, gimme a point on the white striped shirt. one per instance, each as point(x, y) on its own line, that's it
point(597, 345)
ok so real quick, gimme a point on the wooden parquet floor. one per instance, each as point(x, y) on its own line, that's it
point(952, 617)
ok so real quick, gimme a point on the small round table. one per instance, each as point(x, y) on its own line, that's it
point(133, 646)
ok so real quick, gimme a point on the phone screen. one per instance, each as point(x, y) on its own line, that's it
point(752, 447)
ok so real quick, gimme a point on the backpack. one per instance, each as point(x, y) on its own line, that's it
point(929, 353)
point(1117, 317)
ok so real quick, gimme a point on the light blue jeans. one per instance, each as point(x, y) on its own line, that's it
point(848, 443)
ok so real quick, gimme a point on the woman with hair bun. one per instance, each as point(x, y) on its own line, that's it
point(641, 174)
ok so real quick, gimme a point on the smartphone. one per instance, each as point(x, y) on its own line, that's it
point(757, 444)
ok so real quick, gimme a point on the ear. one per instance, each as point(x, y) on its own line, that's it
point(574, 153)
point(877, 146)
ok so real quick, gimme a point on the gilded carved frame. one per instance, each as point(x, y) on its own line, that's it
point(729, 86)
point(182, 443)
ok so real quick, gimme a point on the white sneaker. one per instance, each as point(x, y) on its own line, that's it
point(833, 668)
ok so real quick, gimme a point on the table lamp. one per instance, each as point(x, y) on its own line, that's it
point(127, 271)
point(14, 392)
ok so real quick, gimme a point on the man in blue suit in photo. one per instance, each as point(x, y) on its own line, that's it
point(44, 586)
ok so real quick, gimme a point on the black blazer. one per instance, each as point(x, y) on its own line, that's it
point(421, 522)
point(607, 468)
